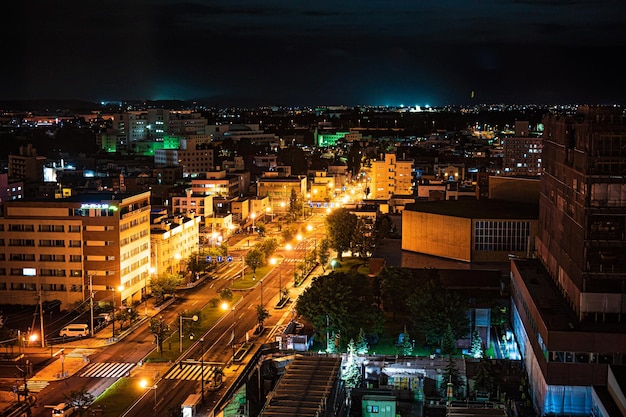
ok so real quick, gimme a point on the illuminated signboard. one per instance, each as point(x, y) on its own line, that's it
point(97, 206)
point(29, 272)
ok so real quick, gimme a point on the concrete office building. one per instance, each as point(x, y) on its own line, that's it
point(58, 249)
point(569, 305)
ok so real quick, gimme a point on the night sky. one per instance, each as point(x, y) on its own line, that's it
point(373, 52)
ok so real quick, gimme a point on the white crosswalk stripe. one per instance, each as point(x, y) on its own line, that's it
point(107, 370)
point(34, 386)
point(189, 372)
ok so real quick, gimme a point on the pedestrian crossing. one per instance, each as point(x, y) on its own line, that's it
point(107, 370)
point(34, 386)
point(190, 372)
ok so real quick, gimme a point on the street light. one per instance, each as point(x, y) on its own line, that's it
point(225, 307)
point(253, 216)
point(120, 289)
point(144, 384)
point(180, 329)
point(274, 261)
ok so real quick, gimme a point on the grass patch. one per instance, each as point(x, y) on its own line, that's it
point(348, 264)
point(171, 346)
point(118, 397)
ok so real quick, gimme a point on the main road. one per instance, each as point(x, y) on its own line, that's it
point(212, 352)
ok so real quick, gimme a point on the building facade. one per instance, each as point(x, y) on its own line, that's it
point(390, 175)
point(63, 249)
point(569, 305)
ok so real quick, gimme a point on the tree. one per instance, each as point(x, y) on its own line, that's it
point(268, 246)
point(323, 253)
point(340, 303)
point(363, 240)
point(450, 375)
point(384, 227)
point(484, 379)
point(295, 204)
point(477, 345)
point(225, 294)
point(361, 343)
point(448, 342)
point(159, 329)
point(261, 315)
point(433, 308)
point(80, 400)
point(164, 284)
point(340, 226)
point(406, 347)
point(196, 264)
point(352, 371)
point(395, 284)
point(255, 258)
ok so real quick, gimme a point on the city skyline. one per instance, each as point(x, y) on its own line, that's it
point(285, 53)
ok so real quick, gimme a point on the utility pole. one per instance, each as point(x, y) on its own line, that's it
point(43, 342)
point(91, 303)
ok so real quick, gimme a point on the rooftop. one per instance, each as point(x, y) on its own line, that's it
point(484, 209)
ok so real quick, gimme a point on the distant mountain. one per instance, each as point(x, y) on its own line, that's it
point(56, 106)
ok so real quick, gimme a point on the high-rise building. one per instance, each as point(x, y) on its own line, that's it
point(65, 248)
point(569, 304)
point(522, 152)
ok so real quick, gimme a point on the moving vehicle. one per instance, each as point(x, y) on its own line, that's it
point(75, 330)
point(63, 409)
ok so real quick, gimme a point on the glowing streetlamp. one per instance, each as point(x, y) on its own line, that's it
point(180, 329)
point(120, 288)
point(253, 216)
point(144, 384)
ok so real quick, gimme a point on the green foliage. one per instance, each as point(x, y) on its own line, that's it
point(448, 342)
point(361, 343)
point(255, 258)
point(159, 328)
point(384, 227)
point(406, 348)
point(196, 264)
point(295, 204)
point(363, 239)
point(288, 233)
point(164, 284)
point(352, 371)
point(225, 294)
point(341, 303)
point(323, 253)
point(451, 374)
point(261, 315)
point(395, 285)
point(434, 308)
point(81, 400)
point(484, 378)
point(268, 246)
point(477, 346)
point(340, 226)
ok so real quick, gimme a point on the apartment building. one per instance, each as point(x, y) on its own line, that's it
point(173, 239)
point(522, 152)
point(389, 176)
point(65, 248)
